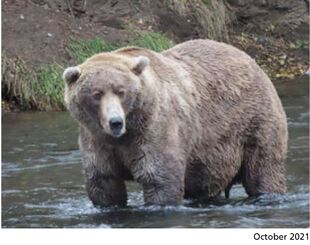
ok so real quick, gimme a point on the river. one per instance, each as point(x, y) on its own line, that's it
point(43, 184)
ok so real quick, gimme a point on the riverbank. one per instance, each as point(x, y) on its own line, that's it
point(42, 88)
point(57, 34)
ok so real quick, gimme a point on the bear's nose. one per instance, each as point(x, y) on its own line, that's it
point(116, 125)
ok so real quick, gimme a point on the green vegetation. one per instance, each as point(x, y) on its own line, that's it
point(80, 50)
point(43, 89)
point(48, 87)
point(206, 1)
point(152, 40)
point(302, 44)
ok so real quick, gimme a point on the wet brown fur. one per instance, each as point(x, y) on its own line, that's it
point(206, 117)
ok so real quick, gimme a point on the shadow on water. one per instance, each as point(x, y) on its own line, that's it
point(42, 180)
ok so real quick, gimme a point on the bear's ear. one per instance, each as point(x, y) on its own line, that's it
point(71, 74)
point(140, 63)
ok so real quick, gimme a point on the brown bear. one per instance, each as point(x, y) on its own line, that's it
point(186, 123)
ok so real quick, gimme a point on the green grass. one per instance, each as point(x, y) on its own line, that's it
point(152, 40)
point(43, 89)
point(302, 44)
point(48, 87)
point(80, 50)
point(206, 2)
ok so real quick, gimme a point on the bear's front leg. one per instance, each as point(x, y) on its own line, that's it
point(162, 178)
point(104, 192)
point(104, 186)
point(163, 194)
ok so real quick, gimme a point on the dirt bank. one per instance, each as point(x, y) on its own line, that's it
point(273, 32)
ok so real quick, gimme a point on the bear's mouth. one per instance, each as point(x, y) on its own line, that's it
point(116, 134)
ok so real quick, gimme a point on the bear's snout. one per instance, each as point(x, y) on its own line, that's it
point(116, 125)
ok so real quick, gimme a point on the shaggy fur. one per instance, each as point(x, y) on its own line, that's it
point(200, 117)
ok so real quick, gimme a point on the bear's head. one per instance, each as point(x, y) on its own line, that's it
point(102, 91)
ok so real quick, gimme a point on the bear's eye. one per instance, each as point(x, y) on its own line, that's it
point(120, 93)
point(97, 95)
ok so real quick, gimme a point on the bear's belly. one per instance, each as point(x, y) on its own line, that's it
point(201, 182)
point(208, 178)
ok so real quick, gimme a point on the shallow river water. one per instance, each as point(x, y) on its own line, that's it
point(42, 181)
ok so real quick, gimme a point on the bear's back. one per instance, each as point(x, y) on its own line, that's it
point(218, 61)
